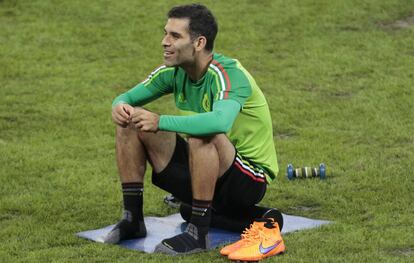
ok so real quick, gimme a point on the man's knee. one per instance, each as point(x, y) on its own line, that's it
point(125, 132)
point(130, 132)
point(208, 141)
point(197, 142)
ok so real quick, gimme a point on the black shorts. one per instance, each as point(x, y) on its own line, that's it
point(242, 185)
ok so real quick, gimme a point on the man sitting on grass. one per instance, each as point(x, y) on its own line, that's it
point(228, 157)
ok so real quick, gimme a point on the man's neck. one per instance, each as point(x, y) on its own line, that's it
point(197, 69)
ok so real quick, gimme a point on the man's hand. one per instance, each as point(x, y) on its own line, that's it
point(145, 120)
point(121, 114)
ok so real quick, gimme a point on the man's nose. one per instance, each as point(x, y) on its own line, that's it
point(165, 41)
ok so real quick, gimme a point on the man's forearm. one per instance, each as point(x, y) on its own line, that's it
point(220, 120)
point(137, 96)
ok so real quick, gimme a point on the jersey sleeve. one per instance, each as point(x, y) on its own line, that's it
point(219, 120)
point(231, 83)
point(157, 84)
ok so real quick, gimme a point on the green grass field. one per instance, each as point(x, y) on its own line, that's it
point(338, 76)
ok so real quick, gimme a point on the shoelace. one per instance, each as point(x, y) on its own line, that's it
point(251, 234)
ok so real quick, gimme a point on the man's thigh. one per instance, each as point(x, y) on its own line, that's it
point(225, 149)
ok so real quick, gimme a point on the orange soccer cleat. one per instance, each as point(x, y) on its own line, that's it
point(267, 242)
point(248, 237)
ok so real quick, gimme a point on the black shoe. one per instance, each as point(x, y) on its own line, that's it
point(124, 230)
point(186, 243)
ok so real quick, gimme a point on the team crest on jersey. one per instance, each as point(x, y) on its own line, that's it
point(206, 103)
point(181, 98)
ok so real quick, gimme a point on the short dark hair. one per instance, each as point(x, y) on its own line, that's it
point(202, 22)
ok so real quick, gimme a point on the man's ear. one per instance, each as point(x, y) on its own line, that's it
point(200, 43)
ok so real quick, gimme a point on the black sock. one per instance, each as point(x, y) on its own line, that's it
point(201, 216)
point(133, 200)
point(132, 224)
point(195, 236)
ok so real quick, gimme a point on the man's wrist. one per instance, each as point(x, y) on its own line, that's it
point(118, 102)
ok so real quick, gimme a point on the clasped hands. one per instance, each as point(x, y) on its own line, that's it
point(142, 119)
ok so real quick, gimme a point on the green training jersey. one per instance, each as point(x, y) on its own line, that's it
point(225, 80)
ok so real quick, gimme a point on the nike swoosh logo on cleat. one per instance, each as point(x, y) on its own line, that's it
point(265, 250)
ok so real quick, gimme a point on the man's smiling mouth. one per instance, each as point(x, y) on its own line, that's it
point(168, 53)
